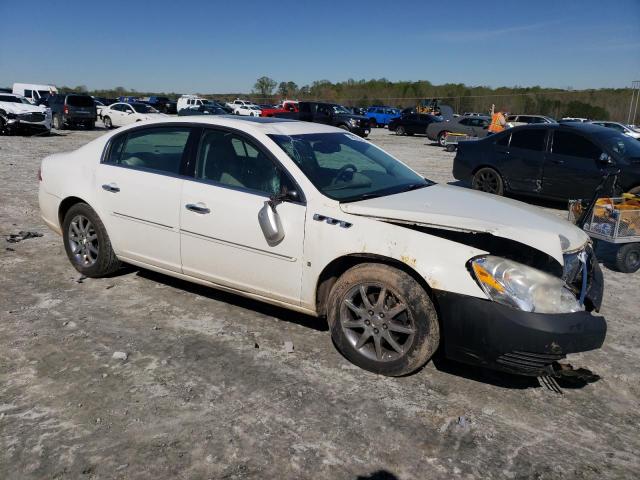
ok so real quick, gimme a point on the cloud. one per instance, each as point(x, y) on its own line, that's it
point(488, 33)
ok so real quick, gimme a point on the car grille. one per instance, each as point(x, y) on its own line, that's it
point(31, 117)
point(527, 361)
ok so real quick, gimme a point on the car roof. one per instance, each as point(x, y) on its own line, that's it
point(265, 125)
point(577, 126)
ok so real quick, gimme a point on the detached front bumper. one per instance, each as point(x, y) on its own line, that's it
point(486, 333)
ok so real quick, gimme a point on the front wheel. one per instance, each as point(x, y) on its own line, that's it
point(382, 320)
point(442, 136)
point(58, 124)
point(87, 243)
point(488, 180)
point(107, 122)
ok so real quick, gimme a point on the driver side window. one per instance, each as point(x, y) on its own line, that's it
point(230, 160)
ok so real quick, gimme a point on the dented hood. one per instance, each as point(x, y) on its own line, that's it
point(468, 210)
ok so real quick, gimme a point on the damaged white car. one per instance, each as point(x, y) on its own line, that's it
point(17, 114)
point(315, 219)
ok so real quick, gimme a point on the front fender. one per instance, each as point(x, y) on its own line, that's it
point(441, 262)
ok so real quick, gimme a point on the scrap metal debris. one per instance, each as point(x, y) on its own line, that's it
point(288, 346)
point(21, 235)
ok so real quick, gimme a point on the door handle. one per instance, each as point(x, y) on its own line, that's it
point(111, 187)
point(197, 208)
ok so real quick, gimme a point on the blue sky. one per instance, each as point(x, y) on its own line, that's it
point(223, 46)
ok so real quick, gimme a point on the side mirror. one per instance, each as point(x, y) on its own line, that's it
point(270, 223)
point(606, 159)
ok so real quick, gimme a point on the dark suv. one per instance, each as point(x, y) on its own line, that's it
point(71, 110)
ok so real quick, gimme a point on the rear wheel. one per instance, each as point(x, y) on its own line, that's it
point(400, 130)
point(87, 243)
point(628, 258)
point(441, 138)
point(488, 180)
point(382, 320)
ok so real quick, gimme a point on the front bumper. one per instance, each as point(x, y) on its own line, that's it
point(17, 125)
point(486, 333)
point(360, 131)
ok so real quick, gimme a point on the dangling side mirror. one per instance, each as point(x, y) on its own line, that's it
point(269, 219)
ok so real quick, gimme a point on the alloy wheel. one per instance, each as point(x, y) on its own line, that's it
point(487, 181)
point(377, 322)
point(400, 130)
point(83, 240)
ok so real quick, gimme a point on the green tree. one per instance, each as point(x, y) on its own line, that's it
point(264, 86)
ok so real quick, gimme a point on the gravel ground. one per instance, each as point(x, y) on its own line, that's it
point(208, 390)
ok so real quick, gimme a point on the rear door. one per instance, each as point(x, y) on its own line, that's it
point(524, 160)
point(139, 185)
point(572, 168)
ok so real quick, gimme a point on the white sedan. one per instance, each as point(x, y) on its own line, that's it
point(318, 220)
point(247, 110)
point(121, 114)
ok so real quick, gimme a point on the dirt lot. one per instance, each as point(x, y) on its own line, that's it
point(208, 390)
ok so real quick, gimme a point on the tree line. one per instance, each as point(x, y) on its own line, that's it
point(602, 104)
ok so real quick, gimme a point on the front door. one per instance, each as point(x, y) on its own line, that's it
point(139, 190)
point(221, 238)
point(572, 169)
point(525, 160)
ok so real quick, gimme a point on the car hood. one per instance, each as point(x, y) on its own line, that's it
point(22, 107)
point(456, 208)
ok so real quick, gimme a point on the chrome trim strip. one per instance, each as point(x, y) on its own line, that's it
point(238, 245)
point(142, 220)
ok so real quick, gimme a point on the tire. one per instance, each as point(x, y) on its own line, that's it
point(441, 137)
point(400, 130)
point(82, 229)
point(107, 123)
point(413, 327)
point(450, 148)
point(488, 180)
point(628, 258)
point(3, 127)
point(58, 123)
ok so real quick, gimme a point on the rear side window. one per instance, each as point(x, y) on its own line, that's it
point(80, 101)
point(157, 149)
point(529, 139)
point(567, 143)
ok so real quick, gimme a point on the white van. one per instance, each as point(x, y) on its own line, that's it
point(190, 101)
point(33, 92)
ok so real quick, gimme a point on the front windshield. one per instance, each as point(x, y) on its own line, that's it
point(142, 108)
point(339, 109)
point(346, 168)
point(619, 143)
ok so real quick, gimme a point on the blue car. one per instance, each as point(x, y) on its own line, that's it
point(379, 116)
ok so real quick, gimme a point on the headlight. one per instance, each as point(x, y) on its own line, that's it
point(353, 121)
point(526, 288)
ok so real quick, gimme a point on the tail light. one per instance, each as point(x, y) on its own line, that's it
point(66, 110)
point(39, 174)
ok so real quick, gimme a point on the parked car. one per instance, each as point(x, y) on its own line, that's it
point(330, 114)
point(239, 103)
point(286, 106)
point(34, 92)
point(474, 114)
point(472, 125)
point(206, 109)
point(379, 116)
point(161, 104)
point(359, 111)
point(412, 123)
point(72, 110)
point(18, 114)
point(574, 119)
point(121, 114)
point(247, 110)
point(558, 161)
point(517, 120)
point(620, 127)
point(312, 218)
point(187, 101)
